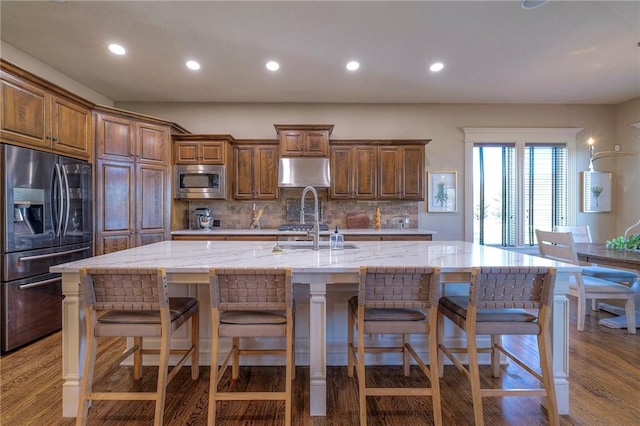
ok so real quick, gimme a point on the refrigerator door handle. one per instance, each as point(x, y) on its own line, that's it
point(60, 206)
point(50, 255)
point(66, 198)
point(40, 283)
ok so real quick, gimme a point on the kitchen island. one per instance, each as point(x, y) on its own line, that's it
point(187, 264)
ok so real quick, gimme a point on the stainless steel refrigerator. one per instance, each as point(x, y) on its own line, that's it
point(47, 219)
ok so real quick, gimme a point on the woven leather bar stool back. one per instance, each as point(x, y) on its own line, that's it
point(257, 303)
point(126, 302)
point(501, 301)
point(400, 301)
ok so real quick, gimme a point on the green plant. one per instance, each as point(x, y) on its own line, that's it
point(622, 243)
point(441, 195)
point(597, 190)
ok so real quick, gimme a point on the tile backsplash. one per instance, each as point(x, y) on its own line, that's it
point(237, 214)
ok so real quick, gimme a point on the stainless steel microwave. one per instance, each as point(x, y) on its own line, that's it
point(200, 182)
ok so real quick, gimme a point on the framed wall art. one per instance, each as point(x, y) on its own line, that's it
point(442, 192)
point(596, 192)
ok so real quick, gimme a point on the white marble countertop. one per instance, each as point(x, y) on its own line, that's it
point(199, 256)
point(218, 231)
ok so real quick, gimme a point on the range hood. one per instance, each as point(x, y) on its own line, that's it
point(298, 172)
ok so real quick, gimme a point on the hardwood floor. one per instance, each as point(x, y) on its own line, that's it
point(604, 383)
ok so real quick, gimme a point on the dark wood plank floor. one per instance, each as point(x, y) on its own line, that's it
point(604, 383)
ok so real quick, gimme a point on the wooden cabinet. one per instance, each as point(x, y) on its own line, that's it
point(255, 170)
point(201, 149)
point(304, 140)
point(401, 172)
point(133, 181)
point(37, 117)
point(353, 172)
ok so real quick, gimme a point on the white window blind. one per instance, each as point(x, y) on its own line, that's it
point(513, 198)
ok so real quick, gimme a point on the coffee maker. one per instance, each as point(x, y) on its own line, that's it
point(202, 218)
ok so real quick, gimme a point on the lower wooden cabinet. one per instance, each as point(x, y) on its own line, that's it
point(132, 205)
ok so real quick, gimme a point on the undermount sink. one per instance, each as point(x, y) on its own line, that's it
point(308, 245)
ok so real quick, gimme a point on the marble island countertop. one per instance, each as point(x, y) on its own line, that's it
point(219, 231)
point(199, 256)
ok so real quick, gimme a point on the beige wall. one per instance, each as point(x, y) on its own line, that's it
point(24, 61)
point(439, 122)
point(627, 169)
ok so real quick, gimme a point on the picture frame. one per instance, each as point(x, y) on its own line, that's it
point(442, 191)
point(596, 192)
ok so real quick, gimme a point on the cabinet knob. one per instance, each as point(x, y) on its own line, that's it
point(54, 139)
point(48, 137)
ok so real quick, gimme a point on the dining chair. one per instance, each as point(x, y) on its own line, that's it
point(250, 303)
point(400, 301)
point(582, 234)
point(503, 301)
point(127, 302)
point(559, 246)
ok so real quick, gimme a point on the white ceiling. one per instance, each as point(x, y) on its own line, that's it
point(494, 52)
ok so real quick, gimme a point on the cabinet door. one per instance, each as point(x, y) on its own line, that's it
point(114, 206)
point(341, 172)
point(152, 208)
point(389, 160)
point(114, 137)
point(70, 127)
point(412, 173)
point(243, 173)
point(316, 143)
point(365, 172)
point(265, 173)
point(213, 152)
point(292, 143)
point(186, 153)
point(24, 112)
point(153, 143)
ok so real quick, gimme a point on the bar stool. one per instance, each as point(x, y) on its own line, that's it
point(503, 300)
point(126, 302)
point(248, 302)
point(395, 301)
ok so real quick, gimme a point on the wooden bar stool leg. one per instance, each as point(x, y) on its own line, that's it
point(496, 341)
point(350, 348)
point(213, 379)
point(163, 367)
point(195, 342)
point(137, 358)
point(235, 368)
point(405, 356)
point(362, 396)
point(86, 386)
point(546, 366)
point(474, 377)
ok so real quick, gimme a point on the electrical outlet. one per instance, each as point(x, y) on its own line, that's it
point(216, 223)
point(616, 148)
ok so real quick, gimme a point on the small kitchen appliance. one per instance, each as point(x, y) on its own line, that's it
point(203, 218)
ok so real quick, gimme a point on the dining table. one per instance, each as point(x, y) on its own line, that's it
point(315, 274)
point(599, 254)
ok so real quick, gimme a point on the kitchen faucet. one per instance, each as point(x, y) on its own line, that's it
point(316, 218)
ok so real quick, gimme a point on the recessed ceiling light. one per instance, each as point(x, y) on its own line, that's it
point(437, 66)
point(117, 49)
point(353, 65)
point(532, 4)
point(273, 66)
point(193, 65)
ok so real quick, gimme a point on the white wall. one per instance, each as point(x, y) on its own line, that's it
point(440, 122)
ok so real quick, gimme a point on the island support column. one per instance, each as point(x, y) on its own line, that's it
point(318, 348)
point(560, 341)
point(73, 345)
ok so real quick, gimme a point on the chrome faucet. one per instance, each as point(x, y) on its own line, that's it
point(316, 218)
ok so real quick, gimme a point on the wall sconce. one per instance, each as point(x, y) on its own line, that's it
point(593, 156)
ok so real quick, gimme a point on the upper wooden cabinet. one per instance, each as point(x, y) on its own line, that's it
point(120, 137)
point(304, 140)
point(44, 117)
point(201, 149)
point(255, 170)
point(401, 172)
point(133, 179)
point(354, 172)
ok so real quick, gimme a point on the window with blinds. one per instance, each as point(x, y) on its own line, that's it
point(516, 190)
